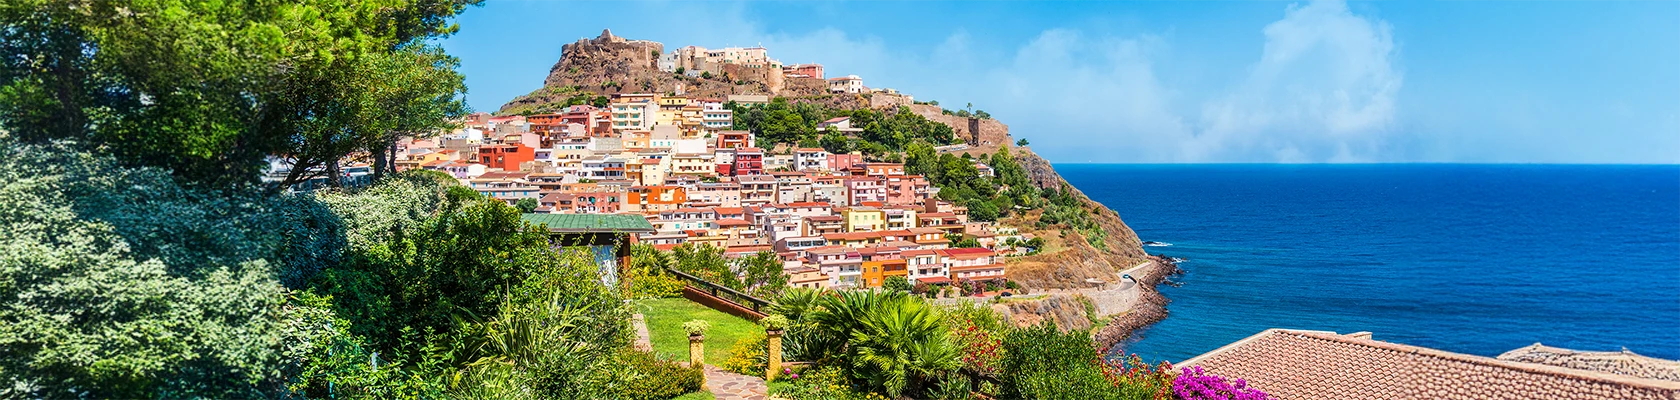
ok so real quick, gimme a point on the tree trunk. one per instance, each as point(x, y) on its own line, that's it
point(379, 160)
point(333, 174)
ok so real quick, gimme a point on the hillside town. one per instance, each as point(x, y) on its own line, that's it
point(835, 220)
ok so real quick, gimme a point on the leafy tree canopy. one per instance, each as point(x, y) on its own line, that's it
point(208, 89)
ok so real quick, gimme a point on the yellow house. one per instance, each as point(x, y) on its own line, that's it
point(863, 219)
point(671, 110)
point(692, 164)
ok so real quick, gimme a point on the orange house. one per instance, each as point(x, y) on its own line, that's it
point(875, 273)
point(650, 199)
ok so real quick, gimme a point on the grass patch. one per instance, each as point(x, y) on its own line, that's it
point(666, 316)
point(700, 395)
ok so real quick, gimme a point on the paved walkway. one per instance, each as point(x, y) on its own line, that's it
point(642, 342)
point(727, 385)
point(724, 385)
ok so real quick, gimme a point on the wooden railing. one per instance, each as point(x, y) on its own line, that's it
point(742, 300)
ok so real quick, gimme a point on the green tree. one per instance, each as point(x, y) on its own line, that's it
point(1022, 142)
point(208, 89)
point(982, 210)
point(764, 277)
point(705, 262)
point(896, 283)
point(455, 252)
point(526, 205)
point(835, 142)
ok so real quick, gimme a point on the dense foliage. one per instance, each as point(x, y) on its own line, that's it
point(118, 283)
point(208, 89)
point(759, 274)
point(897, 345)
point(782, 121)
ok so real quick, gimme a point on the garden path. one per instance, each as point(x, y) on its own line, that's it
point(727, 385)
point(642, 342)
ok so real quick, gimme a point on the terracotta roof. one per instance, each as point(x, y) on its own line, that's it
point(733, 222)
point(919, 252)
point(1323, 365)
point(1622, 362)
point(968, 252)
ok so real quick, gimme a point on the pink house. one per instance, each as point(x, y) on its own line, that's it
point(838, 162)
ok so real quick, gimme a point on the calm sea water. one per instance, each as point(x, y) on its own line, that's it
point(1476, 259)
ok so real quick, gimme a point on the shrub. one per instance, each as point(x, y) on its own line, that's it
point(826, 383)
point(119, 283)
point(652, 286)
point(979, 336)
point(775, 322)
point(1041, 362)
point(657, 379)
point(896, 283)
point(696, 327)
point(749, 356)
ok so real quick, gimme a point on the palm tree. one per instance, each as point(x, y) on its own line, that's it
point(893, 341)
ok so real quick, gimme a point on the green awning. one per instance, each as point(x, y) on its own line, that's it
point(590, 223)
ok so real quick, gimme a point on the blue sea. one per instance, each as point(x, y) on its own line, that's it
point(1476, 259)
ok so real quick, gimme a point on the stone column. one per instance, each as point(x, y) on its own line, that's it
point(697, 350)
point(697, 356)
point(774, 338)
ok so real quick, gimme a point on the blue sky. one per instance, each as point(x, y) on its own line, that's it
point(1148, 82)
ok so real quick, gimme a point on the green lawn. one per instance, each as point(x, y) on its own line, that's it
point(666, 316)
point(700, 395)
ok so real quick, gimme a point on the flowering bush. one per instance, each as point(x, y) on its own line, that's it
point(1134, 379)
point(982, 351)
point(748, 356)
point(1195, 384)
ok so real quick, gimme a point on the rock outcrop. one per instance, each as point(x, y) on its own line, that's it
point(610, 64)
point(1067, 312)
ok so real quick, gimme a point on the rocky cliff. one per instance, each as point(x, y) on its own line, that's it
point(609, 64)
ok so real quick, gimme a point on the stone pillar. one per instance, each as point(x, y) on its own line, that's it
point(774, 338)
point(697, 350)
point(697, 356)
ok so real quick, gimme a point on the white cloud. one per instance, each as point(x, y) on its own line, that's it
point(1323, 90)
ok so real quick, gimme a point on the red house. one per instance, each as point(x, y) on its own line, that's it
point(748, 161)
point(508, 157)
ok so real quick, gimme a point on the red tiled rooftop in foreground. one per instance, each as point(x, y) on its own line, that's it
point(1313, 365)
